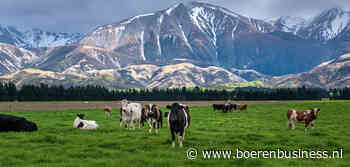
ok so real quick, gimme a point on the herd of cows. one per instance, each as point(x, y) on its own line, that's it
point(135, 113)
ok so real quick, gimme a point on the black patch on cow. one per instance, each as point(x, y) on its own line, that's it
point(81, 124)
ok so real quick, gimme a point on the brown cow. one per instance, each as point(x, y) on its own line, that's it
point(153, 116)
point(242, 107)
point(307, 117)
point(108, 111)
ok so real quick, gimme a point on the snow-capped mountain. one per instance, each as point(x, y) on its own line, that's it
point(35, 38)
point(201, 32)
point(186, 44)
point(326, 26)
point(289, 23)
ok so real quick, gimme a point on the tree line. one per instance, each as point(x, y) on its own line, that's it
point(43, 92)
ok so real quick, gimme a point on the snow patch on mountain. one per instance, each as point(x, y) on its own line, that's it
point(289, 23)
point(36, 38)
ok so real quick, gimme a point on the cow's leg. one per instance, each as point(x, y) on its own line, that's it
point(291, 125)
point(313, 124)
point(139, 123)
point(306, 125)
point(160, 123)
point(149, 121)
point(121, 122)
point(133, 124)
point(172, 138)
point(181, 138)
point(126, 123)
point(156, 126)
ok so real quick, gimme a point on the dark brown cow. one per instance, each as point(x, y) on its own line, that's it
point(307, 117)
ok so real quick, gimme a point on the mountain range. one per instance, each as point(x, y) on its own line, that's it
point(187, 44)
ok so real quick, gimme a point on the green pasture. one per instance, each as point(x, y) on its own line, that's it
point(263, 127)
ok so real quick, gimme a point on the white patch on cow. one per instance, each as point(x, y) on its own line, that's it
point(168, 119)
point(294, 115)
point(186, 118)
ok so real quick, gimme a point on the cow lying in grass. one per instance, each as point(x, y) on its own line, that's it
point(178, 120)
point(80, 123)
point(17, 124)
point(152, 114)
point(307, 117)
point(130, 114)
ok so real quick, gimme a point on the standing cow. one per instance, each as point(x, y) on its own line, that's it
point(218, 107)
point(178, 120)
point(108, 111)
point(130, 114)
point(153, 116)
point(242, 107)
point(307, 117)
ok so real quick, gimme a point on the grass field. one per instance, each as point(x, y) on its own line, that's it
point(263, 127)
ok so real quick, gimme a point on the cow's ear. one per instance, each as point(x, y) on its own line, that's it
point(168, 106)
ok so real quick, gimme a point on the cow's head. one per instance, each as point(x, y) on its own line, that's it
point(315, 111)
point(124, 103)
point(81, 116)
point(154, 109)
point(176, 107)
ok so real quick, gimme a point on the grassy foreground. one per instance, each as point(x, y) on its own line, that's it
point(263, 127)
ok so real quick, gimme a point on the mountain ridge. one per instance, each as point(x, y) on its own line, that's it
point(198, 36)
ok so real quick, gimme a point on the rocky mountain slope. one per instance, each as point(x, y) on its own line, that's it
point(331, 74)
point(200, 32)
point(135, 76)
point(13, 58)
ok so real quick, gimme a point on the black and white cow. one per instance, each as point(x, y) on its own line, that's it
point(178, 121)
point(229, 107)
point(80, 123)
point(17, 124)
